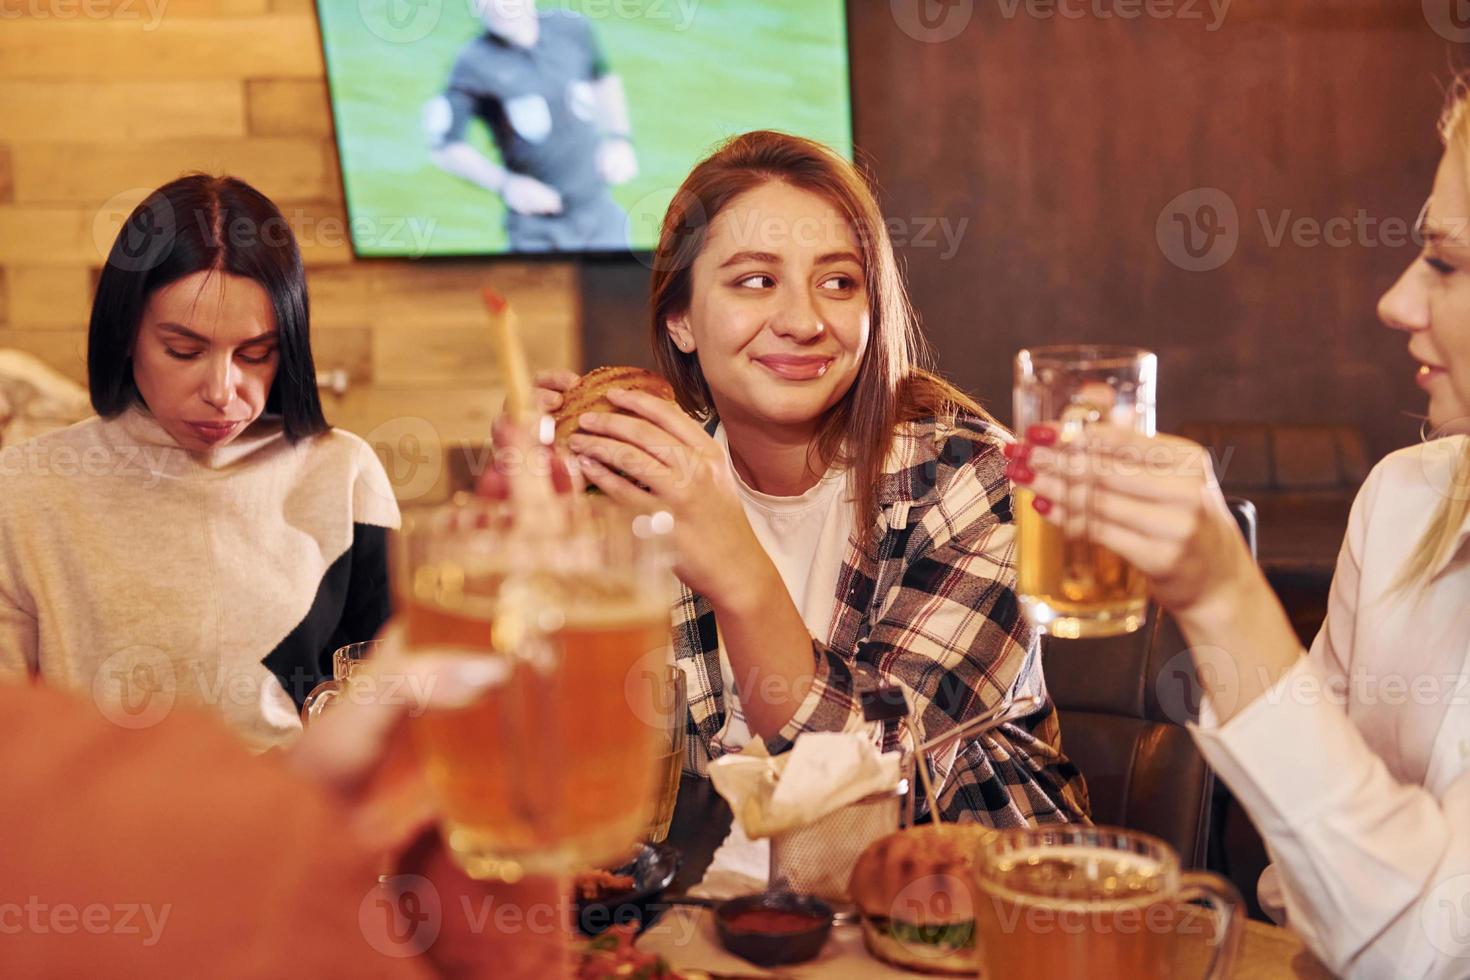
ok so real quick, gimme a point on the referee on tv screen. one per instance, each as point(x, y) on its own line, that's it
point(559, 118)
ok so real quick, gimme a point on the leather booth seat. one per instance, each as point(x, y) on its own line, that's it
point(1122, 702)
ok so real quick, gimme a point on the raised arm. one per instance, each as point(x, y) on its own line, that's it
point(1376, 872)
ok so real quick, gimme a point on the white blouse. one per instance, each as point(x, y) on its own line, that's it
point(1354, 765)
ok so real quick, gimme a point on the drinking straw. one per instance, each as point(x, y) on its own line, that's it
point(998, 715)
point(535, 496)
point(512, 355)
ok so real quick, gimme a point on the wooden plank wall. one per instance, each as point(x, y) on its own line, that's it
point(102, 100)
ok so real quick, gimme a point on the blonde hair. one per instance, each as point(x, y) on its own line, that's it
point(1443, 531)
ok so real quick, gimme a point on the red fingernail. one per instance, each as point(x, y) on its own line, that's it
point(1019, 451)
point(1041, 435)
point(1019, 471)
point(1042, 505)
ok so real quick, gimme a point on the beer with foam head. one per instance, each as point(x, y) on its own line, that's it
point(1098, 902)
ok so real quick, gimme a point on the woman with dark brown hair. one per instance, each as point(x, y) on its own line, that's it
point(207, 538)
point(843, 518)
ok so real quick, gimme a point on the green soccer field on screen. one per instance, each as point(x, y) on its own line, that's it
point(473, 127)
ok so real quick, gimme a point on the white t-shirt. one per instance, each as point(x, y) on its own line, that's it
point(806, 538)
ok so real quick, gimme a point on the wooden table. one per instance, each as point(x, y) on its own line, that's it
point(702, 819)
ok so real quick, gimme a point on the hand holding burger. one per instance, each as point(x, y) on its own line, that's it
point(629, 438)
point(589, 394)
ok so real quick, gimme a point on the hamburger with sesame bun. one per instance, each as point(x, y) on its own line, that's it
point(916, 892)
point(589, 394)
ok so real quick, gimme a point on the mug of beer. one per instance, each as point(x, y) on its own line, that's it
point(345, 662)
point(1067, 585)
point(1073, 901)
point(552, 770)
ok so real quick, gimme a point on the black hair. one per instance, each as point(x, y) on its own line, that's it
point(194, 224)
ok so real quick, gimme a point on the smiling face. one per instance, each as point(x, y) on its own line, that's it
point(1431, 300)
point(778, 313)
point(205, 357)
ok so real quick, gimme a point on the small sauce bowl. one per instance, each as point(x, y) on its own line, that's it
point(774, 928)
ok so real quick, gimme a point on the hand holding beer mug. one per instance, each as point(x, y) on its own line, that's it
point(1071, 901)
point(1068, 586)
point(553, 770)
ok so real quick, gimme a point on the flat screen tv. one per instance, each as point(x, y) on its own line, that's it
point(508, 127)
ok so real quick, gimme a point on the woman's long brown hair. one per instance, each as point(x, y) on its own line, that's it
point(893, 384)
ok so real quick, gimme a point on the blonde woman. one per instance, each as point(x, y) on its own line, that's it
point(1353, 760)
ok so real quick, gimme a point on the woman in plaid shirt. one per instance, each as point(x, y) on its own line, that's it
point(843, 517)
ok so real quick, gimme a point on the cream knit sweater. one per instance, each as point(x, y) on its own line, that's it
point(146, 576)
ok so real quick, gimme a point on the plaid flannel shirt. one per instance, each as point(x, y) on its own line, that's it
point(932, 607)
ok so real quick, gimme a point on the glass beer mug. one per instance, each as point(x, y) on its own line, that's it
point(1068, 586)
point(556, 768)
point(1074, 901)
point(345, 662)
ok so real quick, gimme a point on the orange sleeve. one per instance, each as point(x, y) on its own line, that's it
point(169, 850)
